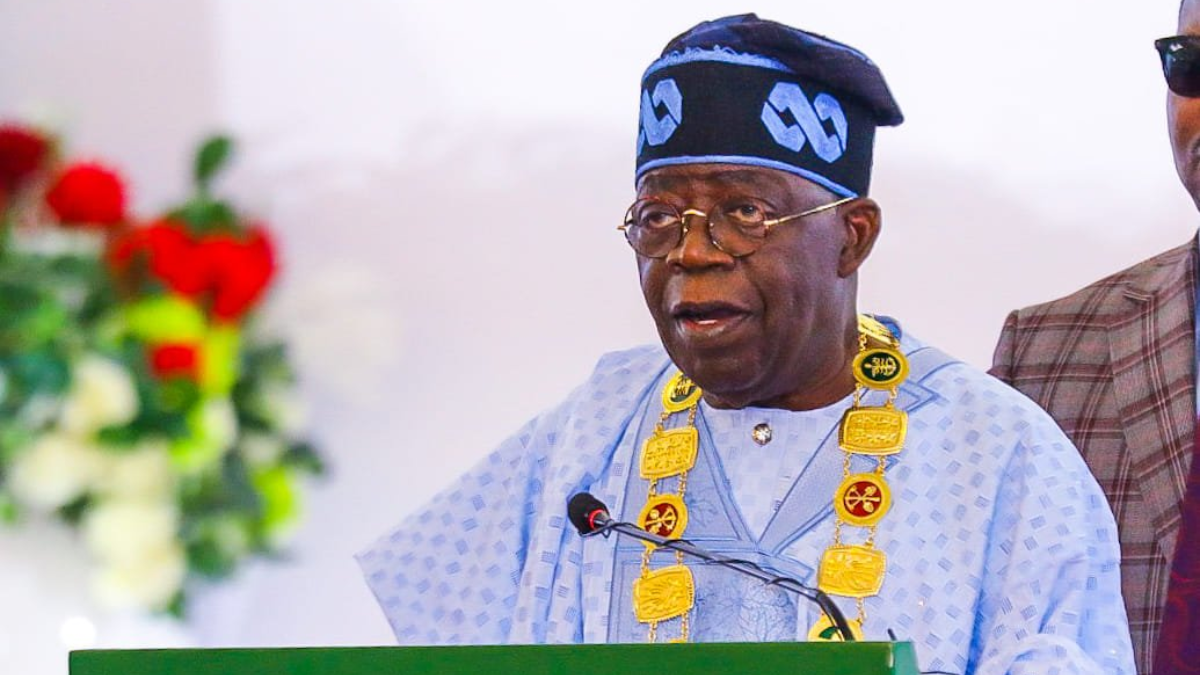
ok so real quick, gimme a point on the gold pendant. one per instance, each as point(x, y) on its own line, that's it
point(852, 571)
point(663, 594)
point(664, 515)
point(873, 431)
point(680, 393)
point(862, 499)
point(880, 368)
point(824, 630)
point(669, 452)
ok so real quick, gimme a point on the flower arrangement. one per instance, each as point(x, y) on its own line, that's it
point(137, 403)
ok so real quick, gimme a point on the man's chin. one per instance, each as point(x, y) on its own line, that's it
point(1189, 175)
point(1193, 187)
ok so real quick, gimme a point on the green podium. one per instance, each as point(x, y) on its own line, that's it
point(855, 658)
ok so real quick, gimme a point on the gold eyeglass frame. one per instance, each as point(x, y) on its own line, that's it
point(683, 225)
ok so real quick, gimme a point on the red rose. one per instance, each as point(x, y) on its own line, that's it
point(175, 359)
point(88, 194)
point(241, 269)
point(166, 251)
point(124, 250)
point(229, 273)
point(175, 259)
point(22, 151)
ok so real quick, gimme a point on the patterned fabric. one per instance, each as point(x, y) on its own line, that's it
point(760, 93)
point(759, 477)
point(1002, 553)
point(1178, 649)
point(1114, 365)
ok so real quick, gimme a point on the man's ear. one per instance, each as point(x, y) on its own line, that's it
point(862, 220)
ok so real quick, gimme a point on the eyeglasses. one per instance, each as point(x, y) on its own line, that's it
point(1180, 56)
point(738, 227)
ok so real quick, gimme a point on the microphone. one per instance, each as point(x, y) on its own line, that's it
point(587, 513)
point(590, 516)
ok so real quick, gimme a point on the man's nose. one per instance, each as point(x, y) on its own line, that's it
point(696, 248)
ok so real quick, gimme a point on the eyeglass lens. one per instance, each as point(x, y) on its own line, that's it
point(1181, 64)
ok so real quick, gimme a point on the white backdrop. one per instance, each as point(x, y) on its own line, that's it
point(447, 179)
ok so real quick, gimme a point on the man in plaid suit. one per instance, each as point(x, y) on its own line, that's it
point(1115, 365)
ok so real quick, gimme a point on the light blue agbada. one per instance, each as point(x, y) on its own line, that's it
point(1002, 552)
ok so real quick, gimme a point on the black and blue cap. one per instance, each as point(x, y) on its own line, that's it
point(743, 90)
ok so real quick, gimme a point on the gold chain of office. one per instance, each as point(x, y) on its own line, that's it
point(667, 594)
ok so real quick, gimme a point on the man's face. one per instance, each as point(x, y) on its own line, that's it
point(1183, 115)
point(751, 330)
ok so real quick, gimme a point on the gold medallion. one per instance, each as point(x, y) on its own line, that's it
point(824, 630)
point(873, 328)
point(663, 594)
point(873, 431)
point(862, 499)
point(880, 368)
point(669, 452)
point(680, 393)
point(664, 515)
point(852, 571)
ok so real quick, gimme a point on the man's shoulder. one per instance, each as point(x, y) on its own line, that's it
point(642, 358)
point(620, 370)
point(964, 390)
point(948, 376)
point(1098, 300)
point(618, 378)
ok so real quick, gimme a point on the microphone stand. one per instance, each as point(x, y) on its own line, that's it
point(604, 525)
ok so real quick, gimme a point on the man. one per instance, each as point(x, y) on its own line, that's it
point(1115, 365)
point(779, 427)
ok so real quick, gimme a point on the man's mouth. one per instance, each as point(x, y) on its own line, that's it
point(703, 319)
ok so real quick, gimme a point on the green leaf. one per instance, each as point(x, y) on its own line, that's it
point(211, 157)
point(41, 371)
point(29, 316)
point(206, 558)
point(73, 513)
point(224, 491)
point(304, 456)
point(178, 395)
point(14, 438)
point(177, 607)
point(216, 544)
point(10, 512)
point(204, 215)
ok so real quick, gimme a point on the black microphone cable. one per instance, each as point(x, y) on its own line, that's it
point(590, 516)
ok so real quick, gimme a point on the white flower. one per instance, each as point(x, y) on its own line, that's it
point(123, 531)
point(142, 564)
point(55, 470)
point(101, 394)
point(144, 472)
point(147, 582)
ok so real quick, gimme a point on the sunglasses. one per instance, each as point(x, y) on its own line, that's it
point(1180, 56)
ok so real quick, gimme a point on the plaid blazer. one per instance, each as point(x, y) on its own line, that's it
point(1115, 365)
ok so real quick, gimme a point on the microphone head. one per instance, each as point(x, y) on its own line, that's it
point(580, 510)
